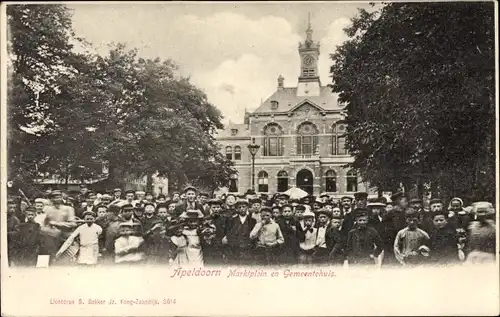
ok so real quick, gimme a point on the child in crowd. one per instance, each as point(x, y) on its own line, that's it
point(410, 241)
point(443, 241)
point(288, 225)
point(321, 252)
point(269, 238)
point(306, 234)
point(28, 241)
point(363, 243)
point(129, 247)
point(178, 244)
point(88, 233)
point(334, 242)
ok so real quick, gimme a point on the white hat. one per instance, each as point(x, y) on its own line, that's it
point(140, 192)
point(308, 213)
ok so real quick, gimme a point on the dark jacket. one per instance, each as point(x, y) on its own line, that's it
point(179, 209)
point(238, 234)
point(361, 243)
point(443, 245)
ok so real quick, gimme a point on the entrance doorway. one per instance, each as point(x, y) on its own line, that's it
point(305, 181)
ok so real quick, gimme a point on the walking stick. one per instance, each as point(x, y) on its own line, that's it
point(24, 197)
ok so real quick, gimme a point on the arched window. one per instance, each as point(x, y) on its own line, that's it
point(282, 181)
point(263, 181)
point(331, 181)
point(352, 181)
point(307, 139)
point(229, 152)
point(338, 139)
point(272, 142)
point(237, 153)
point(233, 183)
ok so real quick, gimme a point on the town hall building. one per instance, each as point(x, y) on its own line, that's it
point(300, 134)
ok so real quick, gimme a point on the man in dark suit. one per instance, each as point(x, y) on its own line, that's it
point(237, 237)
point(190, 203)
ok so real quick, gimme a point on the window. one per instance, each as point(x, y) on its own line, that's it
point(274, 105)
point(263, 181)
point(307, 139)
point(338, 139)
point(233, 183)
point(237, 153)
point(308, 72)
point(282, 181)
point(331, 181)
point(273, 140)
point(352, 181)
point(234, 131)
point(229, 152)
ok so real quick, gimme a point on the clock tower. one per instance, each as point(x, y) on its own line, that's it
point(309, 83)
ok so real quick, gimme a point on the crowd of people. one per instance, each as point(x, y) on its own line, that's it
point(193, 229)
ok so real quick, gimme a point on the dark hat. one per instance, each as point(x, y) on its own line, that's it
point(117, 190)
point(148, 204)
point(309, 198)
point(188, 188)
point(250, 192)
point(101, 205)
point(214, 201)
point(161, 205)
point(264, 196)
point(194, 214)
point(265, 208)
point(410, 212)
point(55, 193)
point(130, 191)
point(397, 196)
point(360, 212)
point(254, 200)
point(287, 205)
point(300, 207)
point(241, 202)
point(127, 207)
point(435, 201)
point(346, 197)
point(148, 193)
point(416, 201)
point(31, 209)
point(204, 194)
point(283, 195)
point(360, 195)
point(89, 213)
point(324, 212)
point(324, 195)
point(382, 200)
point(162, 196)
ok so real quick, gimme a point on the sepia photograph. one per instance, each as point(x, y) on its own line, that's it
point(173, 158)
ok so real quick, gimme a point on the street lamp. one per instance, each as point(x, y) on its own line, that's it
point(253, 148)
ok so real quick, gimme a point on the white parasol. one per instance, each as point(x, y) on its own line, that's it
point(296, 193)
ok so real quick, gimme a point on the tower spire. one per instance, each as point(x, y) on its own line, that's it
point(309, 30)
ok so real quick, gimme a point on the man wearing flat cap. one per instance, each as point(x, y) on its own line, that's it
point(117, 194)
point(237, 235)
point(361, 199)
point(190, 203)
point(400, 205)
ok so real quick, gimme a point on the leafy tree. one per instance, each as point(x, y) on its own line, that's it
point(417, 82)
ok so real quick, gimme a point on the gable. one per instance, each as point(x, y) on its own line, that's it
point(306, 108)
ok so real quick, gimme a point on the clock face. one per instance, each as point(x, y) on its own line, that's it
point(308, 60)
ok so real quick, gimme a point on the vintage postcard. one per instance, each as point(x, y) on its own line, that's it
point(249, 158)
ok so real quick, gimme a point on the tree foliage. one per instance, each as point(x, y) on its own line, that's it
point(417, 81)
point(70, 112)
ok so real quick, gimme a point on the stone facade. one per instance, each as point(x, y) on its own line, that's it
point(299, 130)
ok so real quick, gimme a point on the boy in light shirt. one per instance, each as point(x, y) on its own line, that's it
point(269, 238)
point(128, 247)
point(307, 238)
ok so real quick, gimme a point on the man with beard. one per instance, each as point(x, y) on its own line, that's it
point(237, 235)
point(59, 224)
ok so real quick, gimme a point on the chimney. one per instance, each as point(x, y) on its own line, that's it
point(280, 82)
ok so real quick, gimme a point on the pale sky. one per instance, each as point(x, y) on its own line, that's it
point(234, 52)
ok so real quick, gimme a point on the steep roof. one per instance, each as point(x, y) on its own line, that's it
point(287, 99)
point(227, 131)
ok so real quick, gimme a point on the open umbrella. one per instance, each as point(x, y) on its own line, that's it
point(296, 193)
